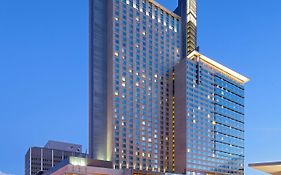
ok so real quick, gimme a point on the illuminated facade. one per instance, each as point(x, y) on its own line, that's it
point(143, 48)
point(209, 117)
point(146, 48)
point(136, 47)
point(188, 11)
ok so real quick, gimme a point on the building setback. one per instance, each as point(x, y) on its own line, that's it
point(40, 159)
point(156, 104)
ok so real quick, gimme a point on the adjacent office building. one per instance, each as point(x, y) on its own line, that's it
point(40, 159)
point(156, 104)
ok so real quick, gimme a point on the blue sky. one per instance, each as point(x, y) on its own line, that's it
point(44, 71)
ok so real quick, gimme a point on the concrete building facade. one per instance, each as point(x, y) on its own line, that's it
point(40, 159)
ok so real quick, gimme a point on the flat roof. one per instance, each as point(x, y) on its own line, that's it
point(80, 161)
point(267, 167)
point(219, 67)
point(154, 2)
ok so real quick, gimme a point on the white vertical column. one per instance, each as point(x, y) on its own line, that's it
point(41, 159)
point(30, 149)
point(192, 12)
point(52, 158)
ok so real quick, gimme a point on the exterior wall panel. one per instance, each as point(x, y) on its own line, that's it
point(98, 79)
point(39, 159)
point(180, 117)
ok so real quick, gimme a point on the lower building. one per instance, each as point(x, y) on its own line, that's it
point(209, 117)
point(40, 159)
point(78, 165)
point(273, 168)
point(84, 166)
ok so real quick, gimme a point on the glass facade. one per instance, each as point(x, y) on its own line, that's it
point(146, 42)
point(214, 121)
point(162, 112)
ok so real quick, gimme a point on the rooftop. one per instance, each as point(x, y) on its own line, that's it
point(154, 2)
point(219, 67)
point(268, 167)
point(79, 162)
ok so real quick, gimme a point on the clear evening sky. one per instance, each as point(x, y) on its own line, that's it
point(44, 71)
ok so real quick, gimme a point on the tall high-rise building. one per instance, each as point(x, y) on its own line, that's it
point(140, 99)
point(134, 46)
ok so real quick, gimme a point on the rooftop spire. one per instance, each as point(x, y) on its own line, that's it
point(187, 9)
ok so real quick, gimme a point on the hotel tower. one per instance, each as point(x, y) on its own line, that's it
point(156, 103)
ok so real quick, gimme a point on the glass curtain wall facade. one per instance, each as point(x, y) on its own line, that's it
point(150, 108)
point(143, 46)
point(146, 42)
point(213, 112)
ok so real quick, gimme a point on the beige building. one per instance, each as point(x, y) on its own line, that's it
point(273, 168)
